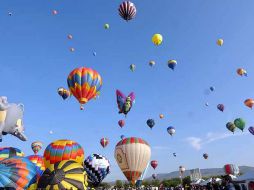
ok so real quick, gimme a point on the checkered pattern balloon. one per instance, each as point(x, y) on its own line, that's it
point(97, 168)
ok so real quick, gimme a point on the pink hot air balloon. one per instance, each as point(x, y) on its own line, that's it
point(54, 12)
point(154, 164)
point(121, 123)
point(104, 142)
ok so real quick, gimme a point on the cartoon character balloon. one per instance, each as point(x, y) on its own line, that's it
point(239, 123)
point(172, 64)
point(97, 168)
point(249, 102)
point(36, 146)
point(104, 142)
point(157, 39)
point(85, 84)
point(127, 10)
point(150, 123)
point(132, 155)
point(124, 103)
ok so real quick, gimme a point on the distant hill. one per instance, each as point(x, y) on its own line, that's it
point(205, 172)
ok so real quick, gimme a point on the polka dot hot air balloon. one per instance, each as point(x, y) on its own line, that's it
point(127, 10)
point(66, 174)
point(36, 146)
point(63, 150)
point(8, 152)
point(17, 173)
point(84, 84)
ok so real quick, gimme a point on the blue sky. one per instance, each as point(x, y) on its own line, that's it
point(35, 60)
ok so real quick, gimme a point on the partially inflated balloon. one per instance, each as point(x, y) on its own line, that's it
point(36, 146)
point(121, 123)
point(249, 102)
point(171, 130)
point(251, 130)
point(63, 150)
point(104, 142)
point(241, 72)
point(231, 127)
point(239, 123)
point(127, 10)
point(205, 155)
point(9, 152)
point(84, 84)
point(132, 155)
point(157, 39)
point(154, 164)
point(172, 64)
point(150, 123)
point(97, 168)
point(220, 42)
point(220, 107)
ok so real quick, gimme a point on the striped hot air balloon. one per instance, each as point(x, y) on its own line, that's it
point(39, 164)
point(63, 150)
point(8, 152)
point(84, 84)
point(66, 174)
point(127, 10)
point(132, 155)
point(17, 173)
point(36, 146)
point(231, 169)
point(104, 142)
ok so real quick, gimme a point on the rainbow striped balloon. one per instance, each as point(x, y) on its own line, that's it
point(39, 163)
point(8, 152)
point(63, 150)
point(85, 84)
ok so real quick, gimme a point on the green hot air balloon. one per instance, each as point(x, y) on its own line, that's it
point(239, 123)
point(231, 127)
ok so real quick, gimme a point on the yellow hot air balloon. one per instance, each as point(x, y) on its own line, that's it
point(132, 155)
point(220, 42)
point(157, 39)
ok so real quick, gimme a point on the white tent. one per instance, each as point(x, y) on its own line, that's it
point(247, 176)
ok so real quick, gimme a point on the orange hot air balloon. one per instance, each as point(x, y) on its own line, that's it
point(85, 84)
point(249, 102)
point(241, 72)
point(161, 116)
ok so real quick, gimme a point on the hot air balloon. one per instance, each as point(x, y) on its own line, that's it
point(212, 88)
point(220, 42)
point(132, 155)
point(206, 104)
point(157, 39)
point(66, 174)
point(172, 64)
point(241, 72)
point(106, 26)
point(122, 137)
point(154, 164)
point(54, 12)
point(171, 130)
point(84, 84)
point(36, 146)
point(10, 13)
point(239, 123)
point(174, 154)
point(150, 123)
point(249, 102)
point(231, 127)
point(154, 176)
point(132, 67)
point(63, 150)
point(220, 107)
point(64, 93)
point(69, 36)
point(97, 168)
point(152, 63)
point(17, 173)
point(181, 170)
point(231, 169)
point(39, 164)
point(104, 142)
point(124, 103)
point(251, 130)
point(161, 116)
point(140, 179)
point(121, 123)
point(127, 10)
point(72, 49)
point(205, 155)
point(94, 53)
point(9, 152)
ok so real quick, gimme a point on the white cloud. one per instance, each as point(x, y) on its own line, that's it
point(197, 142)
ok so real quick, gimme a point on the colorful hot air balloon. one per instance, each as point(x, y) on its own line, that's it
point(97, 168)
point(251, 130)
point(127, 10)
point(154, 176)
point(220, 107)
point(69, 36)
point(241, 72)
point(66, 174)
point(171, 130)
point(122, 137)
point(150, 123)
point(63, 92)
point(249, 102)
point(172, 64)
point(154, 164)
point(63, 150)
point(84, 84)
point(161, 116)
point(39, 164)
point(36, 146)
point(104, 142)
point(205, 155)
point(54, 12)
point(132, 67)
point(17, 173)
point(152, 63)
point(124, 103)
point(239, 123)
point(106, 26)
point(157, 39)
point(132, 155)
point(121, 123)
point(9, 152)
point(231, 127)
point(220, 42)
point(231, 169)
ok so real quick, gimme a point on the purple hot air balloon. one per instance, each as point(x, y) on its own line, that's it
point(251, 130)
point(127, 10)
point(221, 107)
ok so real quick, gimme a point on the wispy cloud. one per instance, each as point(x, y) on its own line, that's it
point(197, 142)
point(161, 148)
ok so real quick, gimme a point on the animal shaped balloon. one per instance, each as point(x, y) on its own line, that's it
point(124, 103)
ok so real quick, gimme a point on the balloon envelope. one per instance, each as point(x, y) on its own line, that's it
point(172, 64)
point(241, 72)
point(36, 146)
point(152, 63)
point(121, 123)
point(231, 127)
point(220, 42)
point(239, 123)
point(249, 102)
point(171, 130)
point(9, 152)
point(220, 107)
point(231, 169)
point(127, 10)
point(104, 142)
point(150, 123)
point(157, 39)
point(251, 130)
point(205, 156)
point(154, 164)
